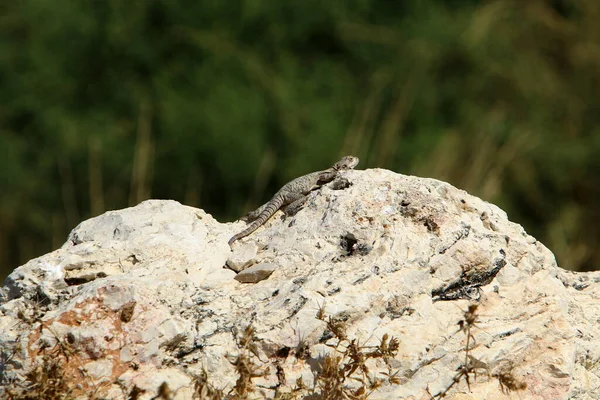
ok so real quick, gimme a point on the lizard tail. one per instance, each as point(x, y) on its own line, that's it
point(265, 214)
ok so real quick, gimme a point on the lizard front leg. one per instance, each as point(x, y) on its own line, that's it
point(296, 205)
point(326, 177)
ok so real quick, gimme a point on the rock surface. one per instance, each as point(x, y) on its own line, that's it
point(144, 300)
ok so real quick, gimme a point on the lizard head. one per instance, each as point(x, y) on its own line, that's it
point(347, 162)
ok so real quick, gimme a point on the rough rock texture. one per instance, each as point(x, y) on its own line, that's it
point(144, 296)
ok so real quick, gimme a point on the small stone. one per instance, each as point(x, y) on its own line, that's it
point(243, 256)
point(255, 273)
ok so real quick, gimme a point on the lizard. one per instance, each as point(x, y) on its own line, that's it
point(293, 195)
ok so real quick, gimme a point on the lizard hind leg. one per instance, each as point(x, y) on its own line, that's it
point(293, 208)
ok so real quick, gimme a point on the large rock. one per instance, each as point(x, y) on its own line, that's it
point(417, 287)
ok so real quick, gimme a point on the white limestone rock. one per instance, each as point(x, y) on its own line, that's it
point(146, 295)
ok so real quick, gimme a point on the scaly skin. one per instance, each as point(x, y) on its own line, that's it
point(293, 194)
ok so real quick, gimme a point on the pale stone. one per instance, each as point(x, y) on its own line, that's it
point(243, 257)
point(147, 295)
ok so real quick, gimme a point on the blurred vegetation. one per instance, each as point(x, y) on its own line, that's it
point(216, 104)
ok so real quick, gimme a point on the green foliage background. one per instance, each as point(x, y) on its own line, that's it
point(106, 103)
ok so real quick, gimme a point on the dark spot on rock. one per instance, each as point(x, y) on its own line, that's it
point(41, 298)
point(299, 281)
point(127, 311)
point(431, 225)
point(283, 352)
point(325, 337)
point(80, 280)
point(352, 247)
point(348, 241)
